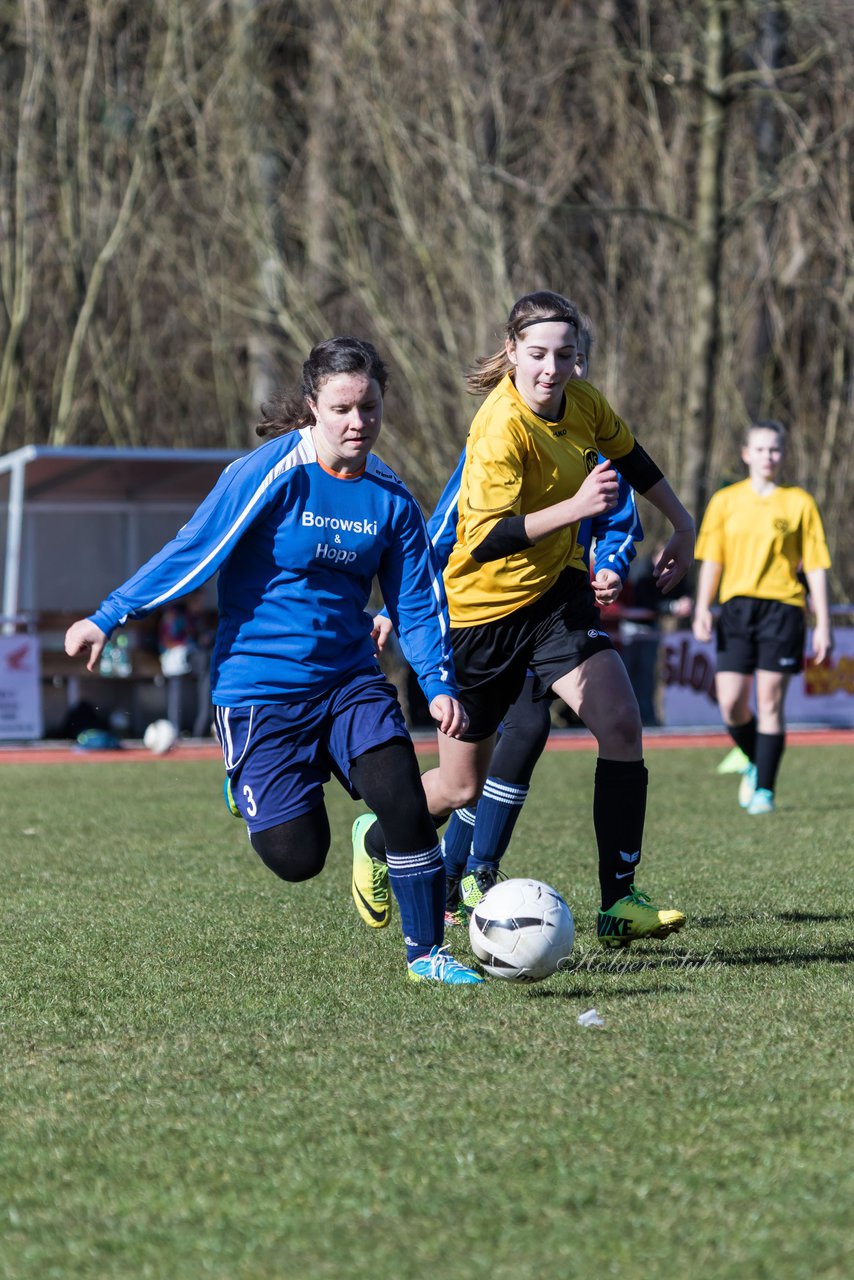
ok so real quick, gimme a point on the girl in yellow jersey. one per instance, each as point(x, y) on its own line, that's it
point(754, 539)
point(520, 596)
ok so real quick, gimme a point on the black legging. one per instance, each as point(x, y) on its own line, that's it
point(389, 781)
point(524, 733)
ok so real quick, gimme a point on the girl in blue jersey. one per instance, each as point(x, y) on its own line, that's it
point(298, 530)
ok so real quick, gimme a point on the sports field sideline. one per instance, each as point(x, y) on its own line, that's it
point(566, 740)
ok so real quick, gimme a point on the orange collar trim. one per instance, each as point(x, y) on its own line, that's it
point(342, 475)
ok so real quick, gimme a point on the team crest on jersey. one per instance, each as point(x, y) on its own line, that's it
point(782, 525)
point(591, 458)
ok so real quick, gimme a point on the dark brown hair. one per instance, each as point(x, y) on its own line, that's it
point(289, 411)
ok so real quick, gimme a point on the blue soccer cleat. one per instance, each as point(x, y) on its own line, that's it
point(747, 786)
point(439, 966)
point(762, 801)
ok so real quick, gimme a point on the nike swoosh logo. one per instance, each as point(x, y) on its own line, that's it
point(623, 875)
point(372, 911)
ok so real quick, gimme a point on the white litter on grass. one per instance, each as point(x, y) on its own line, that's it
point(591, 1019)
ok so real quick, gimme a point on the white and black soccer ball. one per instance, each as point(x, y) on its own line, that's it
point(160, 737)
point(521, 930)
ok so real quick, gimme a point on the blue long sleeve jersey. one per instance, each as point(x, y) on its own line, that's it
point(614, 534)
point(297, 548)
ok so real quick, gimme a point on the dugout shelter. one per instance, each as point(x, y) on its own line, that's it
point(74, 523)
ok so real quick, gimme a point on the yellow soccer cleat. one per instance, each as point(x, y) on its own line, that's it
point(370, 878)
point(735, 761)
point(230, 802)
point(634, 917)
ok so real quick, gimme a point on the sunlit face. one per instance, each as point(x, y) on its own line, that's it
point(348, 415)
point(544, 357)
point(763, 453)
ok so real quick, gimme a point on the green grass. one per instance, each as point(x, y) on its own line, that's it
point(207, 1073)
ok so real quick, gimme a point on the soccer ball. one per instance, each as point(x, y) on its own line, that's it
point(521, 930)
point(160, 737)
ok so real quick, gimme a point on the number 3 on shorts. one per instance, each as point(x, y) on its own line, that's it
point(251, 806)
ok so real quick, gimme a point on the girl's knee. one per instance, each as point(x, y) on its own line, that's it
point(459, 793)
point(296, 850)
point(621, 733)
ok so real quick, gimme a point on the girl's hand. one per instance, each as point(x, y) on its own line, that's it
point(702, 625)
point(82, 636)
point(449, 715)
point(607, 585)
point(381, 632)
point(598, 492)
point(822, 644)
point(675, 560)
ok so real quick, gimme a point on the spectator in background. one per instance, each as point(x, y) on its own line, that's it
point(176, 641)
point(641, 610)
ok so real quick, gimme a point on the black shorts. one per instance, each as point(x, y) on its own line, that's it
point(760, 635)
point(549, 637)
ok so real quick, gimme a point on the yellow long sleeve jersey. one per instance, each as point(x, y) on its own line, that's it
point(517, 463)
point(761, 540)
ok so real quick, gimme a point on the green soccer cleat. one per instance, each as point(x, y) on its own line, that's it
point(734, 761)
point(439, 966)
point(370, 886)
point(228, 797)
point(476, 885)
point(761, 802)
point(634, 917)
point(747, 786)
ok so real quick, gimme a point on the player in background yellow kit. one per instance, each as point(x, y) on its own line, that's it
point(755, 539)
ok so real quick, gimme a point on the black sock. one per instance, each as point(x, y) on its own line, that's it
point(744, 736)
point(619, 810)
point(375, 842)
point(769, 752)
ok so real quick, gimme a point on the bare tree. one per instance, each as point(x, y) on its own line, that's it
point(18, 183)
point(201, 189)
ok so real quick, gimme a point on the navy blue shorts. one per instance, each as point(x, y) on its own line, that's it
point(279, 755)
point(760, 635)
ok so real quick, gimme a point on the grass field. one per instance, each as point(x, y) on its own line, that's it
point(207, 1073)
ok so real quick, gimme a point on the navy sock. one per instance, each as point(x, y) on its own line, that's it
point(456, 841)
point(418, 882)
point(497, 812)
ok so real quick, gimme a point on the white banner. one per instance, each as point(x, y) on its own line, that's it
point(20, 687)
point(819, 695)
